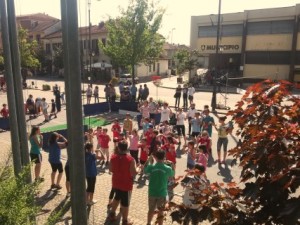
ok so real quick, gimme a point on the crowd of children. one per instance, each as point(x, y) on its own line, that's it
point(153, 138)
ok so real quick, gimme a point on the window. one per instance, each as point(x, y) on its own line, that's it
point(268, 58)
point(154, 69)
point(149, 68)
point(271, 27)
point(94, 44)
point(225, 30)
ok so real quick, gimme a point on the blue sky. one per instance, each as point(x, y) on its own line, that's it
point(178, 14)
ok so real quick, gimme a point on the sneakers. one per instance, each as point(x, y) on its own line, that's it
point(53, 186)
point(92, 202)
point(112, 216)
point(56, 186)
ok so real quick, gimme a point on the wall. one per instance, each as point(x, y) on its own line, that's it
point(256, 71)
point(279, 42)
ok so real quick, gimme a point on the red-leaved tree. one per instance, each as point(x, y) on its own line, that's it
point(268, 152)
point(268, 119)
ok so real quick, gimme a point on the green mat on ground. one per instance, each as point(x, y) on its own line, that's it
point(90, 122)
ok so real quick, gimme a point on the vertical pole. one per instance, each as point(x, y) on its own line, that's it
point(294, 49)
point(15, 140)
point(16, 67)
point(74, 110)
point(214, 95)
point(90, 38)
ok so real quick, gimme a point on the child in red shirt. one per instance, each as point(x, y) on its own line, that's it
point(144, 152)
point(116, 129)
point(204, 139)
point(104, 144)
point(4, 111)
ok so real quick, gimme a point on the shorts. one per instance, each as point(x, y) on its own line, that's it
point(180, 129)
point(123, 197)
point(191, 98)
point(104, 150)
point(88, 96)
point(224, 142)
point(36, 158)
point(112, 193)
point(91, 182)
point(195, 134)
point(57, 166)
point(156, 203)
point(190, 166)
point(67, 172)
point(45, 111)
point(142, 162)
point(135, 155)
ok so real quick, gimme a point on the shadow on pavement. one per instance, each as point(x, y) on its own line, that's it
point(225, 172)
point(47, 197)
point(60, 210)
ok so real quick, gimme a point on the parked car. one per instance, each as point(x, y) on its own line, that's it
point(127, 79)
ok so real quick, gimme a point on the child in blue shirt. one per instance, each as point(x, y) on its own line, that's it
point(90, 172)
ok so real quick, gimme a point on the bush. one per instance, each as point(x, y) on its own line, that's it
point(46, 87)
point(17, 197)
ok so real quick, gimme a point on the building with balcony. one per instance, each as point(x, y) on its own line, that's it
point(256, 44)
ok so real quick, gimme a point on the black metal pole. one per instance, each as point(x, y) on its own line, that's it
point(90, 39)
point(16, 67)
point(13, 122)
point(214, 95)
point(74, 110)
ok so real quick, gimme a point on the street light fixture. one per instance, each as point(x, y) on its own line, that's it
point(214, 94)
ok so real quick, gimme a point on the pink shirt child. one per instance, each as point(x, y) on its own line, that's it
point(202, 159)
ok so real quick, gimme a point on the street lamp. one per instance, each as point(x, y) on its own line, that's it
point(214, 94)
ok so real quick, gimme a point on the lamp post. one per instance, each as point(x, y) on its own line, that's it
point(214, 94)
point(90, 35)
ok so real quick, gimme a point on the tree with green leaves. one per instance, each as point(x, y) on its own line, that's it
point(17, 197)
point(28, 53)
point(133, 37)
point(58, 59)
point(186, 60)
point(1, 62)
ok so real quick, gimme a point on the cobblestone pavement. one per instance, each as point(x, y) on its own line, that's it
point(51, 202)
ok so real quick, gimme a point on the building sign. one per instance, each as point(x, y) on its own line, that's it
point(221, 47)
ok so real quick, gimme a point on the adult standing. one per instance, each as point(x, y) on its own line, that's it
point(140, 96)
point(177, 96)
point(207, 122)
point(96, 94)
point(57, 100)
point(165, 113)
point(121, 87)
point(107, 93)
point(191, 115)
point(191, 92)
point(223, 129)
point(145, 92)
point(159, 174)
point(152, 108)
point(123, 169)
point(133, 91)
point(54, 158)
point(36, 142)
point(112, 93)
point(89, 92)
point(180, 125)
point(185, 96)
